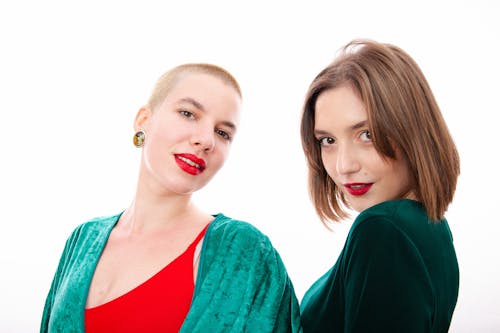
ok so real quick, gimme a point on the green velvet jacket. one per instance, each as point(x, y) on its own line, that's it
point(241, 286)
point(397, 272)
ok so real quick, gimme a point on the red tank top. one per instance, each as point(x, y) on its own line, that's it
point(160, 304)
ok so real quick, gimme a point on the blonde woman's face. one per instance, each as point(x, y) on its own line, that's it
point(189, 135)
point(348, 153)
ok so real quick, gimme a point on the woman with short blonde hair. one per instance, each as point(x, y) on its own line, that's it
point(164, 265)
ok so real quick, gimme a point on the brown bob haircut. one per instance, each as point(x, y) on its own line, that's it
point(403, 115)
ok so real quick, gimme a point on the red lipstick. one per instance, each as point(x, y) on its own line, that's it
point(190, 163)
point(358, 188)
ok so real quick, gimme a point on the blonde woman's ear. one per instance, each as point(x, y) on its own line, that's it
point(142, 118)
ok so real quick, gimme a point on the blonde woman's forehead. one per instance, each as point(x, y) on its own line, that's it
point(207, 93)
point(201, 82)
point(191, 84)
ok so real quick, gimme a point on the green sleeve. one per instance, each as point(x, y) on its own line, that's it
point(58, 277)
point(386, 282)
point(44, 327)
point(242, 285)
point(275, 298)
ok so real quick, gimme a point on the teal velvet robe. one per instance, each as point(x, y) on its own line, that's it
point(241, 286)
point(397, 272)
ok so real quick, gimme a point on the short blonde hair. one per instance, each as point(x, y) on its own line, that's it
point(403, 115)
point(168, 80)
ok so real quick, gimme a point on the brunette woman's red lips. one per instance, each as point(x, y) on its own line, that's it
point(190, 163)
point(358, 188)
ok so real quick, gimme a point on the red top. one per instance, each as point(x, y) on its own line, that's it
point(160, 304)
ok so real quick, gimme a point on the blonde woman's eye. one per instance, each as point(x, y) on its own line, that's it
point(224, 134)
point(187, 114)
point(366, 136)
point(326, 141)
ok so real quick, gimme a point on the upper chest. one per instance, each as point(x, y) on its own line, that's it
point(127, 263)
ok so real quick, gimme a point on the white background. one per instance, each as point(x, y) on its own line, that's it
point(73, 75)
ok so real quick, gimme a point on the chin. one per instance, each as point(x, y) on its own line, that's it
point(181, 189)
point(361, 206)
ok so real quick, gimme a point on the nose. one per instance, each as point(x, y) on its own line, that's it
point(204, 139)
point(347, 160)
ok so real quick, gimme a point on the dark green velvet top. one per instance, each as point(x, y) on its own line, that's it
point(397, 272)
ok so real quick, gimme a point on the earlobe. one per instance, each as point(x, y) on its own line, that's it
point(139, 138)
point(142, 118)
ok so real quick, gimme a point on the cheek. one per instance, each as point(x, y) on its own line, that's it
point(370, 154)
point(404, 174)
point(223, 154)
point(329, 163)
point(374, 164)
point(152, 155)
point(217, 157)
point(156, 147)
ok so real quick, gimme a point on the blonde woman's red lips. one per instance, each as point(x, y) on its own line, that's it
point(358, 188)
point(190, 163)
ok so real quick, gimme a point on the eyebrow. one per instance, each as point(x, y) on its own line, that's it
point(193, 102)
point(363, 123)
point(199, 106)
point(356, 126)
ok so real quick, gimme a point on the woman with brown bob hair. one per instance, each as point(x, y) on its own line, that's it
point(376, 143)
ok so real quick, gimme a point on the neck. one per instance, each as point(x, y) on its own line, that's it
point(154, 209)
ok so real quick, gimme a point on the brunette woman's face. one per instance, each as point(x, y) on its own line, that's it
point(349, 155)
point(189, 135)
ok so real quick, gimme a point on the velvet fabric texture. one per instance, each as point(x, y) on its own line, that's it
point(241, 286)
point(397, 272)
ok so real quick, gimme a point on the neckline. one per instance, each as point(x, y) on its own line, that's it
point(195, 242)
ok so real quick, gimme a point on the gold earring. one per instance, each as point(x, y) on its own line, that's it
point(139, 138)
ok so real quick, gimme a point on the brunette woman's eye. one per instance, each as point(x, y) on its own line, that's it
point(326, 141)
point(366, 136)
point(224, 134)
